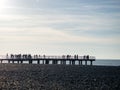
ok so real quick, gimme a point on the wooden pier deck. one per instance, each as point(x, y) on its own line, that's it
point(47, 59)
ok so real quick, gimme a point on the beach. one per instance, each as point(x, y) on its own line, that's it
point(58, 77)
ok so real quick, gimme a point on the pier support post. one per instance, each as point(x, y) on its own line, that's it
point(12, 61)
point(21, 61)
point(53, 62)
point(91, 63)
point(70, 62)
point(18, 61)
point(86, 62)
point(56, 62)
point(8, 61)
point(73, 62)
point(30, 62)
point(64, 62)
point(46, 61)
point(80, 62)
point(38, 61)
point(60, 61)
point(43, 62)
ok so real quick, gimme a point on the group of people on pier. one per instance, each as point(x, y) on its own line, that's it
point(29, 56)
point(45, 59)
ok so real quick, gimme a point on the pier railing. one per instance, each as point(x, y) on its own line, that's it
point(46, 59)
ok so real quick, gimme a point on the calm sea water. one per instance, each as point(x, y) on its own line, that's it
point(99, 62)
point(103, 62)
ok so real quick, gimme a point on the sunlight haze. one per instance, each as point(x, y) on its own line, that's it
point(57, 27)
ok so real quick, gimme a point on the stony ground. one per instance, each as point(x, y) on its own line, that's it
point(58, 77)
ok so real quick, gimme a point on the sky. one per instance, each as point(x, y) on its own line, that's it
point(57, 27)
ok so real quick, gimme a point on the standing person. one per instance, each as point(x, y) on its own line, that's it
point(67, 56)
point(63, 56)
point(74, 56)
point(44, 56)
point(87, 57)
point(39, 56)
point(84, 57)
point(7, 56)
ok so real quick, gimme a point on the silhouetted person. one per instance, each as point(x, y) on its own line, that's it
point(29, 56)
point(15, 56)
point(36, 56)
point(87, 57)
point(84, 57)
point(39, 56)
point(7, 56)
point(44, 56)
point(63, 56)
point(24, 56)
point(12, 56)
point(20, 56)
point(67, 56)
point(74, 56)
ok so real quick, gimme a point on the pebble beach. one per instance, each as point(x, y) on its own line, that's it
point(58, 77)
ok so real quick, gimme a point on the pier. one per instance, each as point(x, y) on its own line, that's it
point(44, 59)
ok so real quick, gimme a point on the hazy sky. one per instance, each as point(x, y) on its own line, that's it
point(57, 27)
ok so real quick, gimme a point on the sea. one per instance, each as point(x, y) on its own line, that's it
point(107, 62)
point(98, 62)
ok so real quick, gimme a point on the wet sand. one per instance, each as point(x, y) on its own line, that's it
point(58, 77)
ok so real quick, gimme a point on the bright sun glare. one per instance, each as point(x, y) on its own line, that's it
point(2, 3)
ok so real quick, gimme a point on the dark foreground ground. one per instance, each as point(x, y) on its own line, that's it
point(58, 77)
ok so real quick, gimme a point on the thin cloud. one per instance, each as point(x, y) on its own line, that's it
point(68, 23)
